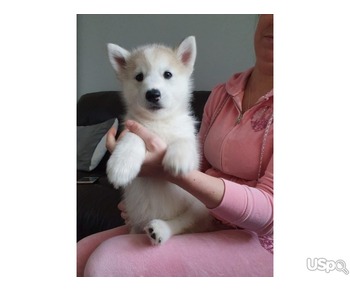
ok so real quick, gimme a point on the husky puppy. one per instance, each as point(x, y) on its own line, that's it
point(157, 88)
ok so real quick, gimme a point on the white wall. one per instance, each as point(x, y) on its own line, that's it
point(224, 44)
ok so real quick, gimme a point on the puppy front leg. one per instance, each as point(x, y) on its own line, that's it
point(126, 160)
point(181, 157)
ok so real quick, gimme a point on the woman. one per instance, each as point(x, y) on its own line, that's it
point(235, 183)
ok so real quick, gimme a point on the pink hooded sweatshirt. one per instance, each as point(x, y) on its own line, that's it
point(239, 149)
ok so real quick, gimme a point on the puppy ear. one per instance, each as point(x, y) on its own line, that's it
point(117, 56)
point(187, 51)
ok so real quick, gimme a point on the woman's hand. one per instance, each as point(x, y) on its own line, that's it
point(111, 142)
point(123, 214)
point(155, 146)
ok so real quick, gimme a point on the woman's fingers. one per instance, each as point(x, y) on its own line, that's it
point(110, 139)
point(152, 141)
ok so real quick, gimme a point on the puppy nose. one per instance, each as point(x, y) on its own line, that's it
point(153, 95)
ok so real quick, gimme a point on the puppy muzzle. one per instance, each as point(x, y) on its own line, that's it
point(153, 98)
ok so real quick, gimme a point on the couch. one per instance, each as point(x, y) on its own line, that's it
point(97, 203)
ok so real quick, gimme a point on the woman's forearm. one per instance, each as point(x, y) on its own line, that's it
point(208, 189)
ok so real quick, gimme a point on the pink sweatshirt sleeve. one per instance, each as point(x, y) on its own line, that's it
point(248, 207)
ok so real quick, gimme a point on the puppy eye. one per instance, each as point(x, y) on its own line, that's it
point(167, 75)
point(139, 77)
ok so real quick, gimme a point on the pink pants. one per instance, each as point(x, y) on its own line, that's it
point(227, 253)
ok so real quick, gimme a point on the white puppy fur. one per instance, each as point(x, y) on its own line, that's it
point(157, 90)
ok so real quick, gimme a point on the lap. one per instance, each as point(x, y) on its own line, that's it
point(88, 244)
point(220, 253)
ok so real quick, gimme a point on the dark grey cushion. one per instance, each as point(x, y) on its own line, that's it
point(91, 144)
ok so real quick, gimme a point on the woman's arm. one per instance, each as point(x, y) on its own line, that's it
point(247, 207)
point(208, 189)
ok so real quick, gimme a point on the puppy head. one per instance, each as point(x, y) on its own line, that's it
point(156, 79)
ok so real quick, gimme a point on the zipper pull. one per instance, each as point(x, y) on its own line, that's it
point(239, 118)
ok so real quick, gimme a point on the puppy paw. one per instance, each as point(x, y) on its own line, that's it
point(120, 173)
point(179, 160)
point(125, 162)
point(158, 231)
